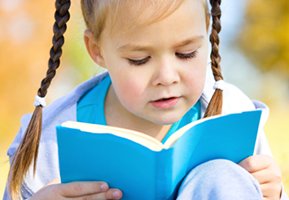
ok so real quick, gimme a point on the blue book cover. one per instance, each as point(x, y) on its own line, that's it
point(141, 164)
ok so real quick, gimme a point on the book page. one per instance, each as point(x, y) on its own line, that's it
point(135, 136)
point(173, 138)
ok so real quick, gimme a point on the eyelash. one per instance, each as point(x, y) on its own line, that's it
point(145, 60)
point(138, 62)
point(187, 56)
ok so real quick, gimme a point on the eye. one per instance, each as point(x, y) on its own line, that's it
point(138, 62)
point(187, 56)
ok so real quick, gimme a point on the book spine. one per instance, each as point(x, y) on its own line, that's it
point(164, 174)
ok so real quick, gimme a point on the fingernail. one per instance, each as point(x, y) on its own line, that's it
point(116, 194)
point(104, 187)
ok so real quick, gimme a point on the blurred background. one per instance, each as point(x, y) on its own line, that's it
point(254, 50)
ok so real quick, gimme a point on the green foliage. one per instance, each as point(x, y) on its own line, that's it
point(264, 37)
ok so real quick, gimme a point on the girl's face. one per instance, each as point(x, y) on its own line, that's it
point(158, 71)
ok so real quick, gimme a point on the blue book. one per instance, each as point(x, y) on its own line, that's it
point(139, 164)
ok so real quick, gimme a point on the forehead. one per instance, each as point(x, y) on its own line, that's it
point(126, 16)
point(187, 22)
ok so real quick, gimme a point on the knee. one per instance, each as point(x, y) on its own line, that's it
point(219, 172)
point(216, 169)
point(221, 178)
point(219, 164)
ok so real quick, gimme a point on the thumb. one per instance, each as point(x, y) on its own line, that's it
point(54, 181)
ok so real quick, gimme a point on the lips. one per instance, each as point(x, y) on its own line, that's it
point(165, 99)
point(165, 103)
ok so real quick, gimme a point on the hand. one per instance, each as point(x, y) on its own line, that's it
point(76, 191)
point(266, 171)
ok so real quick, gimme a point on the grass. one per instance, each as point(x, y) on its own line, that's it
point(276, 129)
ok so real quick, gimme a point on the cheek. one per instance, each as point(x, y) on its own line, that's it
point(130, 92)
point(195, 78)
point(129, 83)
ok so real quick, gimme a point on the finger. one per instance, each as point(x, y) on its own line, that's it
point(110, 194)
point(271, 191)
point(264, 176)
point(270, 174)
point(256, 163)
point(113, 194)
point(75, 189)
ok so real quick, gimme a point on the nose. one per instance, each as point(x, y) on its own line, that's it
point(166, 75)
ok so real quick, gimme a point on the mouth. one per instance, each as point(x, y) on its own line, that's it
point(165, 103)
point(165, 99)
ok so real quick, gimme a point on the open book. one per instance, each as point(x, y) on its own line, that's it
point(141, 166)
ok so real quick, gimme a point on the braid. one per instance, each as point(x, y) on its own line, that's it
point(27, 150)
point(59, 28)
point(215, 105)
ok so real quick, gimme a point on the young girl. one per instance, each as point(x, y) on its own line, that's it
point(155, 52)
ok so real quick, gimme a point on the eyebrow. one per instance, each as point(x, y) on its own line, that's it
point(131, 47)
point(189, 41)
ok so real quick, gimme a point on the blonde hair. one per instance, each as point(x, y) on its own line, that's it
point(100, 13)
point(97, 14)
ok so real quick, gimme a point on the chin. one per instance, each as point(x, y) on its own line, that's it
point(167, 120)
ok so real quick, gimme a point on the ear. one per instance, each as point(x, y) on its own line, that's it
point(93, 48)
